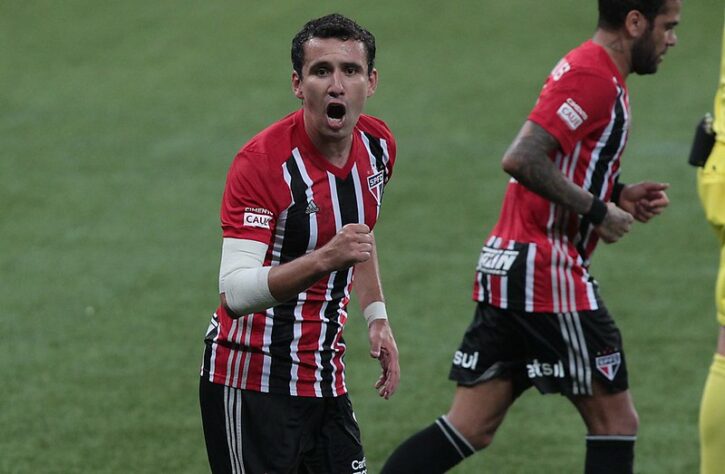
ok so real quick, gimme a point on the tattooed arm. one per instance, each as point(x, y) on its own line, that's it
point(527, 160)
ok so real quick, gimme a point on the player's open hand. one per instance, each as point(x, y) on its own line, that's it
point(644, 200)
point(383, 348)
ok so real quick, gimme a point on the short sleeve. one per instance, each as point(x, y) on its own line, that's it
point(379, 128)
point(392, 151)
point(249, 207)
point(572, 104)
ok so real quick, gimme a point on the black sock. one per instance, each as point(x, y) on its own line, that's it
point(610, 455)
point(433, 450)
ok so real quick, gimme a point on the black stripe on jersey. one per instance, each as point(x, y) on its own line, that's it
point(516, 283)
point(484, 287)
point(606, 155)
point(294, 244)
point(347, 202)
point(208, 341)
point(377, 150)
point(297, 228)
point(610, 149)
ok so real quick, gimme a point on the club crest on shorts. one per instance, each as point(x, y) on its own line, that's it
point(375, 185)
point(609, 364)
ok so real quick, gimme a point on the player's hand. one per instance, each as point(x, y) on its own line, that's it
point(644, 200)
point(616, 223)
point(383, 348)
point(352, 244)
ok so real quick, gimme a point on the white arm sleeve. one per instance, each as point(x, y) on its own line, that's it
point(242, 278)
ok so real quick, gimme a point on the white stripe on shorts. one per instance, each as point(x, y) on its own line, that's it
point(233, 412)
point(579, 368)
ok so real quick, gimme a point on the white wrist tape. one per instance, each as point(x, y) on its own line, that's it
point(375, 310)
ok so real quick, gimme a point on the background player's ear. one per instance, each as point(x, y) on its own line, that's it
point(635, 23)
point(297, 85)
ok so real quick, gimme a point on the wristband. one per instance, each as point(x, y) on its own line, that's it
point(617, 192)
point(375, 310)
point(597, 212)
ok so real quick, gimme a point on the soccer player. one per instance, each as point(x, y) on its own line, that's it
point(298, 211)
point(540, 319)
point(711, 187)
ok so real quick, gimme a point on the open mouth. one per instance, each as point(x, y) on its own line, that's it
point(335, 111)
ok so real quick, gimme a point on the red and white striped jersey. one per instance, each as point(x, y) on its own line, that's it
point(536, 258)
point(282, 192)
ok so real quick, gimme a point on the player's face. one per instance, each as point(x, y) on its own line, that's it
point(334, 86)
point(649, 50)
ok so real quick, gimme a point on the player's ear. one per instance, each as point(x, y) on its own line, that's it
point(372, 82)
point(297, 85)
point(635, 23)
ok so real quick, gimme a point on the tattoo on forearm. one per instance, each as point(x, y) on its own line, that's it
point(541, 175)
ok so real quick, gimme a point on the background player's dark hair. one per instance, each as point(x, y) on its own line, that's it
point(613, 12)
point(331, 26)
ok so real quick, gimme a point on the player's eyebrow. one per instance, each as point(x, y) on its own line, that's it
point(330, 65)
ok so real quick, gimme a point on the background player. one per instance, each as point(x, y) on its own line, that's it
point(711, 187)
point(300, 203)
point(540, 320)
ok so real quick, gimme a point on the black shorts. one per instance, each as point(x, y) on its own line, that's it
point(249, 432)
point(556, 352)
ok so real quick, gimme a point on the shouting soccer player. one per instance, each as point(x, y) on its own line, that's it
point(540, 319)
point(299, 207)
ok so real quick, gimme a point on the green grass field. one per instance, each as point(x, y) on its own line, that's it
point(118, 121)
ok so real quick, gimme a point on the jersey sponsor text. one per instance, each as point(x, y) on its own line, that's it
point(570, 115)
point(467, 361)
point(359, 466)
point(544, 369)
point(252, 219)
point(496, 261)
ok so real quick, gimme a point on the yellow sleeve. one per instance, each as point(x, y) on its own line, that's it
point(711, 178)
point(719, 124)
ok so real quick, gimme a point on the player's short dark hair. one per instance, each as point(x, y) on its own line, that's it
point(331, 26)
point(613, 12)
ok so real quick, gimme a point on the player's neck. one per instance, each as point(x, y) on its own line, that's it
point(334, 151)
point(617, 47)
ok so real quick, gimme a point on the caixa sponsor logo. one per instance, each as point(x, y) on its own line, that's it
point(544, 369)
point(467, 361)
point(252, 219)
point(359, 466)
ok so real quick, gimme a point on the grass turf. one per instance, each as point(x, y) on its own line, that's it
point(118, 123)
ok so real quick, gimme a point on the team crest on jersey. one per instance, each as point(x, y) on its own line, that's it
point(375, 185)
point(609, 364)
